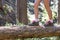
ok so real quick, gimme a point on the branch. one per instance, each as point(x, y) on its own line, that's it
point(28, 32)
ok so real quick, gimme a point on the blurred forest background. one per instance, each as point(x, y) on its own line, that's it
point(11, 7)
point(15, 15)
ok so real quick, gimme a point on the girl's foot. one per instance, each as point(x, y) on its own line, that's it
point(49, 23)
point(34, 23)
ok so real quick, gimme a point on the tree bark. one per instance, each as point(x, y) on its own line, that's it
point(28, 32)
point(0, 3)
point(58, 11)
point(22, 11)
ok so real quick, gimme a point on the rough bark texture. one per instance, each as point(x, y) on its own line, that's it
point(28, 32)
point(0, 3)
point(22, 11)
point(58, 11)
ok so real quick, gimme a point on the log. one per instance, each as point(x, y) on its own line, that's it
point(28, 32)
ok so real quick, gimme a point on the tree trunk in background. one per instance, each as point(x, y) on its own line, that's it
point(58, 11)
point(0, 3)
point(22, 11)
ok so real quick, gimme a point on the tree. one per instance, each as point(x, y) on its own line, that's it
point(2, 15)
point(58, 11)
point(0, 3)
point(22, 11)
point(10, 12)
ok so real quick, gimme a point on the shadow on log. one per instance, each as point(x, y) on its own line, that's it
point(28, 32)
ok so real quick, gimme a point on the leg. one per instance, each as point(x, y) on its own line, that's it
point(50, 22)
point(35, 21)
point(46, 3)
point(36, 4)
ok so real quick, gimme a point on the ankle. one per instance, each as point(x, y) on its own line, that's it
point(51, 20)
point(36, 20)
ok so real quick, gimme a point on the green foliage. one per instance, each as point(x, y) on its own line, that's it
point(46, 38)
point(7, 8)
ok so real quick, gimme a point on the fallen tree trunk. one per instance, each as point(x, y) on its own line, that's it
point(28, 32)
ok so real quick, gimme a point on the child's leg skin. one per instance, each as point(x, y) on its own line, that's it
point(36, 4)
point(35, 22)
point(46, 3)
point(50, 21)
